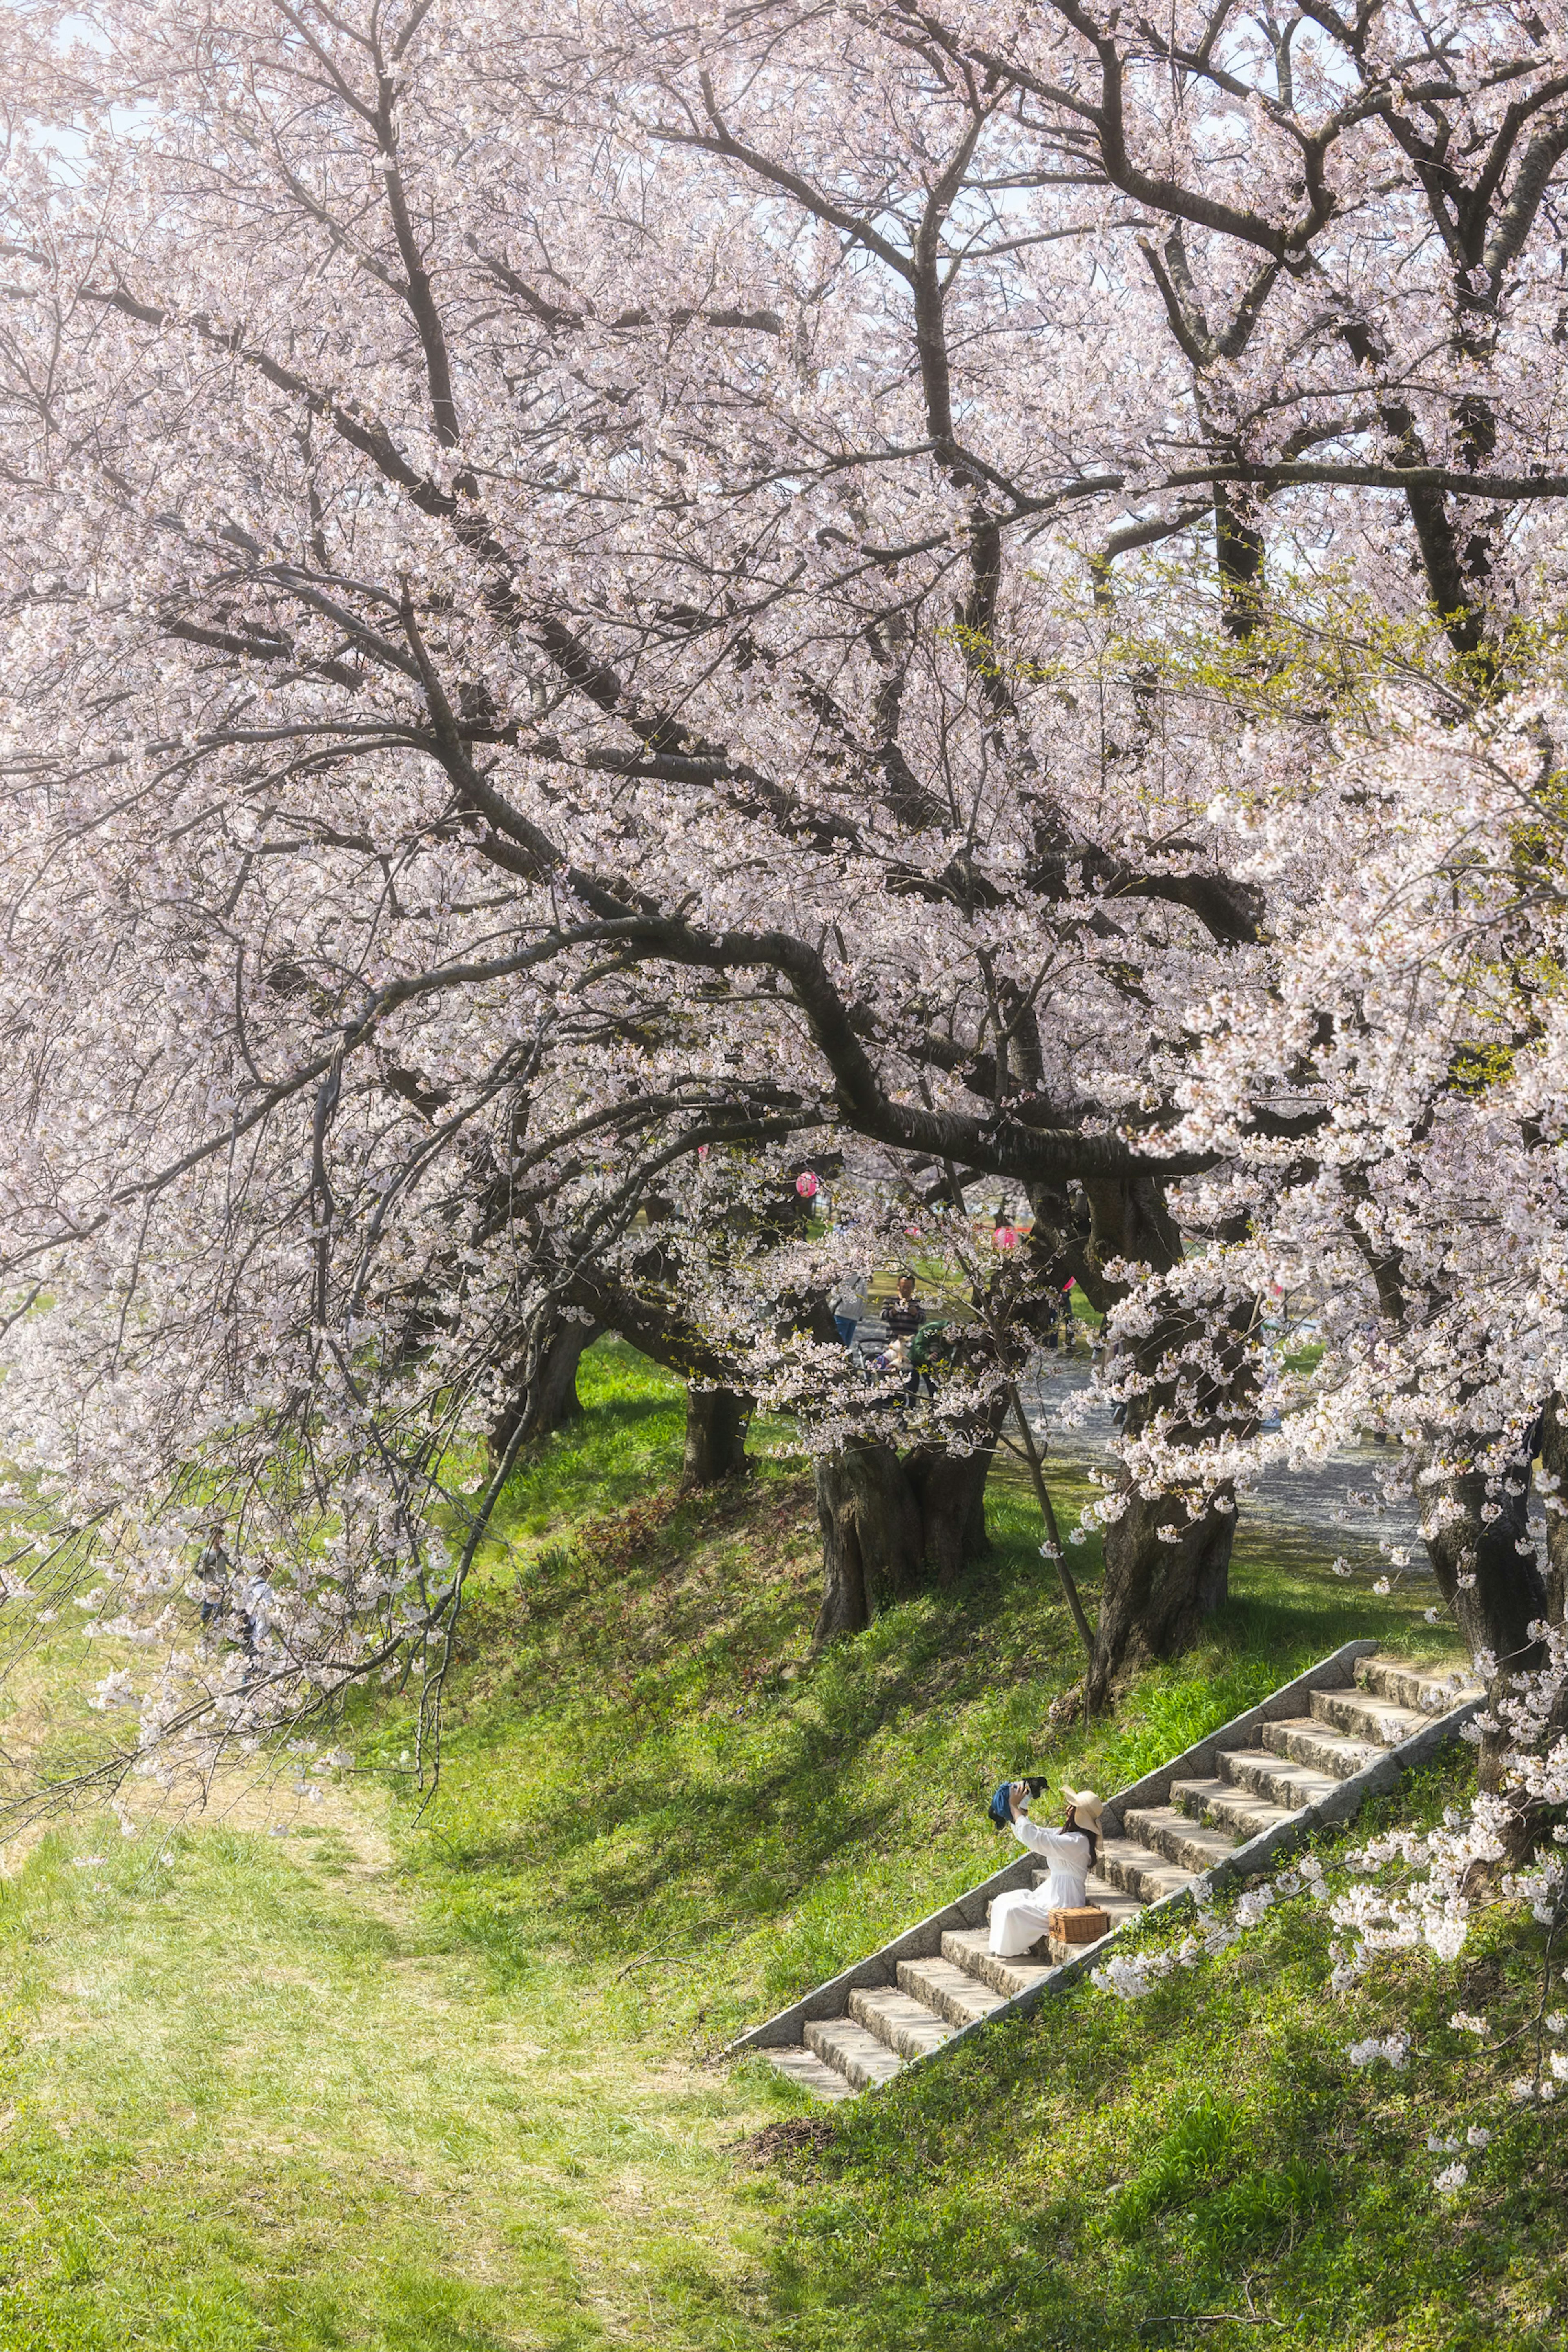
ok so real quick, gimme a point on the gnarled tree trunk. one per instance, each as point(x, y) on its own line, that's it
point(1495, 1592)
point(873, 1542)
point(893, 1525)
point(950, 1491)
point(717, 1421)
point(1156, 1595)
point(550, 1400)
point(1554, 1461)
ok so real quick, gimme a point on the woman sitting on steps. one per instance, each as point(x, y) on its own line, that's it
point(1019, 1920)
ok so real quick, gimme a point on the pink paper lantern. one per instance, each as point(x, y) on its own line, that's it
point(806, 1185)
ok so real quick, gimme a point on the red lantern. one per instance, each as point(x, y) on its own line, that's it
point(806, 1185)
point(1005, 1237)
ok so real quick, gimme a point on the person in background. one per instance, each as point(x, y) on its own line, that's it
point(213, 1569)
point(930, 1346)
point(1069, 1324)
point(1021, 1919)
point(259, 1598)
point(848, 1307)
point(904, 1319)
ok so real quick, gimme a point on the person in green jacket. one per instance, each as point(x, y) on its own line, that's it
point(928, 1348)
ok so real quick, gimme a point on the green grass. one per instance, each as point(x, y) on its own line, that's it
point(444, 2078)
point(255, 2095)
point(647, 1760)
point(626, 1446)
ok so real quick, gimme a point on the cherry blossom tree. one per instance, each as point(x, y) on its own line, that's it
point(585, 588)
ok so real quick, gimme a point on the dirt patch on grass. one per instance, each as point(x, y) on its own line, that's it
point(795, 2143)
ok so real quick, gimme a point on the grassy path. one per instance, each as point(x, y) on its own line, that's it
point(252, 2099)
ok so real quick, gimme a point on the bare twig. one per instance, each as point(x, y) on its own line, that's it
point(1043, 1497)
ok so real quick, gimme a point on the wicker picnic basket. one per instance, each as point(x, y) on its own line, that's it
point(1084, 1925)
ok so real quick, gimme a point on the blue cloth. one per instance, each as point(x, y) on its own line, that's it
point(1001, 1806)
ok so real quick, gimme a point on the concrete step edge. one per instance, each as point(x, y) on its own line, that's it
point(853, 2052)
point(1242, 1814)
point(1281, 1780)
point(901, 2019)
point(967, 1949)
point(1191, 1845)
point(956, 1995)
point(1379, 1721)
point(1305, 1740)
point(810, 2074)
point(1426, 1690)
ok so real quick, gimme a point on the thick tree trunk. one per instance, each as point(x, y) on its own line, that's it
point(1495, 1592)
point(1533, 1821)
point(1554, 1461)
point(1156, 1596)
point(717, 1421)
point(892, 1527)
point(949, 1491)
point(873, 1544)
point(550, 1400)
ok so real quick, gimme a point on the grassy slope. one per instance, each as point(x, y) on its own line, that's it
point(438, 2081)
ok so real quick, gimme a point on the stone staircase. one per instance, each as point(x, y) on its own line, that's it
point(1307, 1757)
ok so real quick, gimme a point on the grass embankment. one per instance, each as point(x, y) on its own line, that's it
point(439, 2081)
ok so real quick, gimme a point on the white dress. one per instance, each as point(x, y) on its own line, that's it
point(1019, 1920)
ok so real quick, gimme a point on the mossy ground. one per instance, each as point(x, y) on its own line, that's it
point(430, 2078)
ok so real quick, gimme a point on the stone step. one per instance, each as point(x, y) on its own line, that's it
point(856, 2055)
point(969, 1949)
point(1115, 1899)
point(1133, 1869)
point(1381, 1722)
point(1190, 1844)
point(1427, 1690)
point(952, 1991)
point(1161, 1851)
point(799, 2066)
point(1242, 1814)
point(1273, 1777)
point(1305, 1740)
point(899, 2018)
